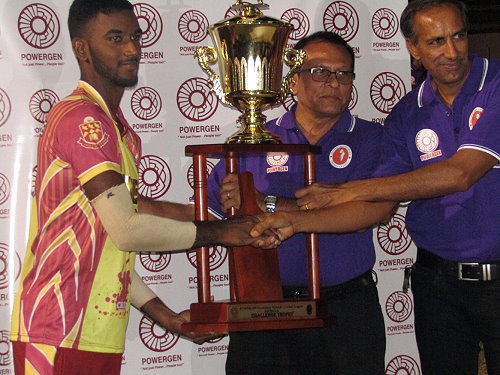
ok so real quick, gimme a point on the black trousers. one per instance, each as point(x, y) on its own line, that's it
point(354, 346)
point(451, 318)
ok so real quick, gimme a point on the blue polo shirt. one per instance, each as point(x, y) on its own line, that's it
point(420, 130)
point(350, 151)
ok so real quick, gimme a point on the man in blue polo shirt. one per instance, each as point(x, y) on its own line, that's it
point(442, 150)
point(350, 150)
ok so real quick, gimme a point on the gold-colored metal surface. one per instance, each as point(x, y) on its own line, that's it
point(250, 51)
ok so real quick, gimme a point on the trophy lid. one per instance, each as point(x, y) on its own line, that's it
point(250, 14)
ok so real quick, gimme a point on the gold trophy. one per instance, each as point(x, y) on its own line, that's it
point(250, 50)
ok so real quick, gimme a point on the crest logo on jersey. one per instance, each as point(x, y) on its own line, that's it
point(93, 135)
point(427, 142)
point(474, 116)
point(277, 162)
point(340, 156)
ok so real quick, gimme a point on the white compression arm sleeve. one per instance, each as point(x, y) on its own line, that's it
point(133, 231)
point(140, 293)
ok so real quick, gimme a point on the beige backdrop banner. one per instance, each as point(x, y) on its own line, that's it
point(172, 107)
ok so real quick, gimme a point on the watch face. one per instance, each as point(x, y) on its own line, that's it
point(270, 202)
point(270, 199)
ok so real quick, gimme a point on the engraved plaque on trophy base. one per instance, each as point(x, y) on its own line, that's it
point(254, 316)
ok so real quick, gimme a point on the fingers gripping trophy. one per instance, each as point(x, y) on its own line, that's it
point(250, 50)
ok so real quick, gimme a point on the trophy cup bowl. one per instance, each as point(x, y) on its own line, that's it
point(250, 51)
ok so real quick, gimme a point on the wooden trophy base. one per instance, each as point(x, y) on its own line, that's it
point(256, 297)
point(228, 316)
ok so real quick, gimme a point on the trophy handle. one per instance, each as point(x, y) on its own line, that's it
point(294, 59)
point(208, 56)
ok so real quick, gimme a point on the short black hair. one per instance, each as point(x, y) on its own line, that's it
point(82, 11)
point(327, 37)
point(415, 6)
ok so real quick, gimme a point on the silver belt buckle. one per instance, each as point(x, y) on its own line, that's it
point(486, 268)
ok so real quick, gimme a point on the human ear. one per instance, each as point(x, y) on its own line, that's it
point(80, 49)
point(412, 48)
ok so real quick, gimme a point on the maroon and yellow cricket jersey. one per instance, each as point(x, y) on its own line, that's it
point(74, 289)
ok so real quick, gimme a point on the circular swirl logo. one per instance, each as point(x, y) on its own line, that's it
point(393, 237)
point(402, 365)
point(38, 26)
point(298, 19)
point(5, 353)
point(190, 173)
point(398, 306)
point(146, 103)
point(195, 99)
point(4, 188)
point(154, 176)
point(354, 98)
point(276, 159)
point(40, 104)
point(154, 337)
point(150, 22)
point(155, 261)
point(341, 18)
point(5, 107)
point(193, 26)
point(426, 140)
point(385, 23)
point(289, 102)
point(385, 91)
point(4, 266)
point(216, 254)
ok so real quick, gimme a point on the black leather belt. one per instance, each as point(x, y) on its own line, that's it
point(332, 291)
point(462, 271)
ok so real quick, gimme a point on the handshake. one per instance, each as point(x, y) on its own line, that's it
point(264, 230)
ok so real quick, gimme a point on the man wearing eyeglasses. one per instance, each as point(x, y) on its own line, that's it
point(350, 150)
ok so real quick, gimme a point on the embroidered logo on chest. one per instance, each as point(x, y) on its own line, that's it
point(276, 162)
point(427, 142)
point(474, 116)
point(340, 156)
point(93, 136)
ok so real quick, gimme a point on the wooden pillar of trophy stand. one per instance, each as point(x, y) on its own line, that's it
point(256, 298)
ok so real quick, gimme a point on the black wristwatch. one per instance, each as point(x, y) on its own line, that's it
point(270, 202)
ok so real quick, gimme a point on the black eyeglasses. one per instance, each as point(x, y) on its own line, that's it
point(323, 75)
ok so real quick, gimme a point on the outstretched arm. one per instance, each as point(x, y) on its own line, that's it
point(144, 299)
point(455, 174)
point(133, 231)
point(344, 218)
